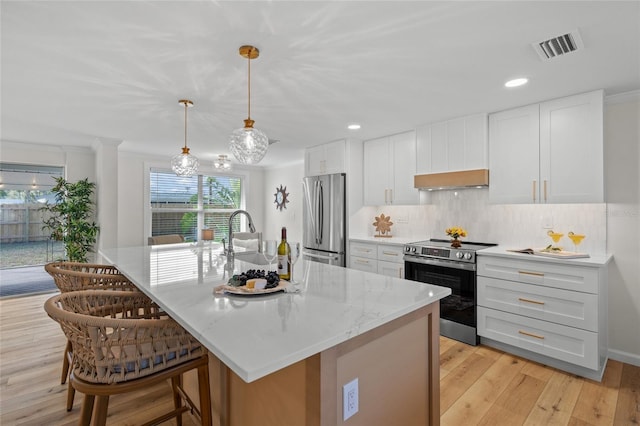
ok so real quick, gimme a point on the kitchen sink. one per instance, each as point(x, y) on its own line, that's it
point(251, 257)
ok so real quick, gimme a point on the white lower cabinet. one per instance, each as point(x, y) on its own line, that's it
point(384, 259)
point(550, 312)
point(363, 257)
point(547, 338)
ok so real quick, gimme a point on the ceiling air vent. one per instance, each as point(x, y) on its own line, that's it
point(558, 46)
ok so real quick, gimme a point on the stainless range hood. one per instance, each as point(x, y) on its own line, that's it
point(452, 180)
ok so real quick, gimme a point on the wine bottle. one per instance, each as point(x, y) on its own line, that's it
point(284, 257)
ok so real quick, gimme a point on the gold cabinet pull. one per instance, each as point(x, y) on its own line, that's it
point(389, 253)
point(534, 191)
point(545, 190)
point(362, 261)
point(531, 334)
point(537, 274)
point(522, 299)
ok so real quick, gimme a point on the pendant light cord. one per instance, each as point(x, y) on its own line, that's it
point(249, 86)
point(186, 105)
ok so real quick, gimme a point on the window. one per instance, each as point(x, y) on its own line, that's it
point(24, 189)
point(185, 205)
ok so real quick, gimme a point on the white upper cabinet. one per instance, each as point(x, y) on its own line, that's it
point(453, 145)
point(514, 155)
point(325, 159)
point(389, 167)
point(548, 153)
point(572, 149)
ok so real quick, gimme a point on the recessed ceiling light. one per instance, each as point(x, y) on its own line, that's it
point(516, 82)
point(354, 126)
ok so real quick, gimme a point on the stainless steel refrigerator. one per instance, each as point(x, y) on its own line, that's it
point(324, 219)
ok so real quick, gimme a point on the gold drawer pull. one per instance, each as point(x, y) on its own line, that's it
point(365, 250)
point(522, 299)
point(389, 253)
point(537, 274)
point(366, 262)
point(531, 335)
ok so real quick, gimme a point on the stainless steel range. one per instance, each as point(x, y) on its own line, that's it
point(436, 262)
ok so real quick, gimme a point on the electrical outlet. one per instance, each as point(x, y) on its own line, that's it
point(350, 399)
point(402, 219)
point(547, 222)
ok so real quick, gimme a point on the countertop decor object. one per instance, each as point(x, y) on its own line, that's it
point(383, 226)
point(281, 198)
point(456, 232)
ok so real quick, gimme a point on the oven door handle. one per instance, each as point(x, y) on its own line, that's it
point(440, 262)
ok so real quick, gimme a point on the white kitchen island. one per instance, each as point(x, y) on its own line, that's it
point(283, 358)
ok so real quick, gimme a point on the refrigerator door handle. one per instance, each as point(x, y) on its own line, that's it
point(321, 212)
point(315, 210)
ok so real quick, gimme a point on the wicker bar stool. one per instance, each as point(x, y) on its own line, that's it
point(74, 276)
point(122, 341)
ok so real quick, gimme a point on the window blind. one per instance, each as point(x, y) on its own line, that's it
point(184, 206)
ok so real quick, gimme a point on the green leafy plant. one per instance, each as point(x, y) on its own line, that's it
point(70, 218)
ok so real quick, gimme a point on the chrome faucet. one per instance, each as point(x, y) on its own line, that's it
point(229, 250)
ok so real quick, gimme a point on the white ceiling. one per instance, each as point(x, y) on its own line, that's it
point(73, 71)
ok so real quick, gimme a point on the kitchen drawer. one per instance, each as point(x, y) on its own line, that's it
point(564, 307)
point(370, 251)
point(568, 277)
point(568, 344)
point(391, 253)
point(391, 269)
point(363, 264)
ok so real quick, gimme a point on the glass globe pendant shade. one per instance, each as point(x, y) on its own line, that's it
point(247, 144)
point(222, 163)
point(185, 164)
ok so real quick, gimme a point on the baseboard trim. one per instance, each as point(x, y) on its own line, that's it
point(626, 357)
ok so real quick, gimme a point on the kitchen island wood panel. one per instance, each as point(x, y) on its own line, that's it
point(309, 392)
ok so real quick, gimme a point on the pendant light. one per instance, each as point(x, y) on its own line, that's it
point(222, 163)
point(185, 164)
point(247, 144)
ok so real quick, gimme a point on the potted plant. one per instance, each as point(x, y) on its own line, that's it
point(70, 218)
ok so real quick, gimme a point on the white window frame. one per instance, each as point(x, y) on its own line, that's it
point(149, 167)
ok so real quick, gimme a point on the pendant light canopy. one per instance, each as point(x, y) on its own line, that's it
point(185, 164)
point(248, 145)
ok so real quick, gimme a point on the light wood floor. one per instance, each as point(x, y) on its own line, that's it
point(479, 385)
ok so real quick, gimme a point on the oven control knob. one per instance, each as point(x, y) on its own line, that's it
point(459, 255)
point(468, 256)
point(413, 249)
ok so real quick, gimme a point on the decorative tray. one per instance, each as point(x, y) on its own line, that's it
point(244, 291)
point(561, 254)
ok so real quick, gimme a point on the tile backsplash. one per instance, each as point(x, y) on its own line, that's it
point(515, 225)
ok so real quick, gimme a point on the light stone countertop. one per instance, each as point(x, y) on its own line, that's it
point(502, 251)
point(258, 335)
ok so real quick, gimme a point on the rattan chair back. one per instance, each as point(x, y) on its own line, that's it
point(74, 276)
point(119, 335)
